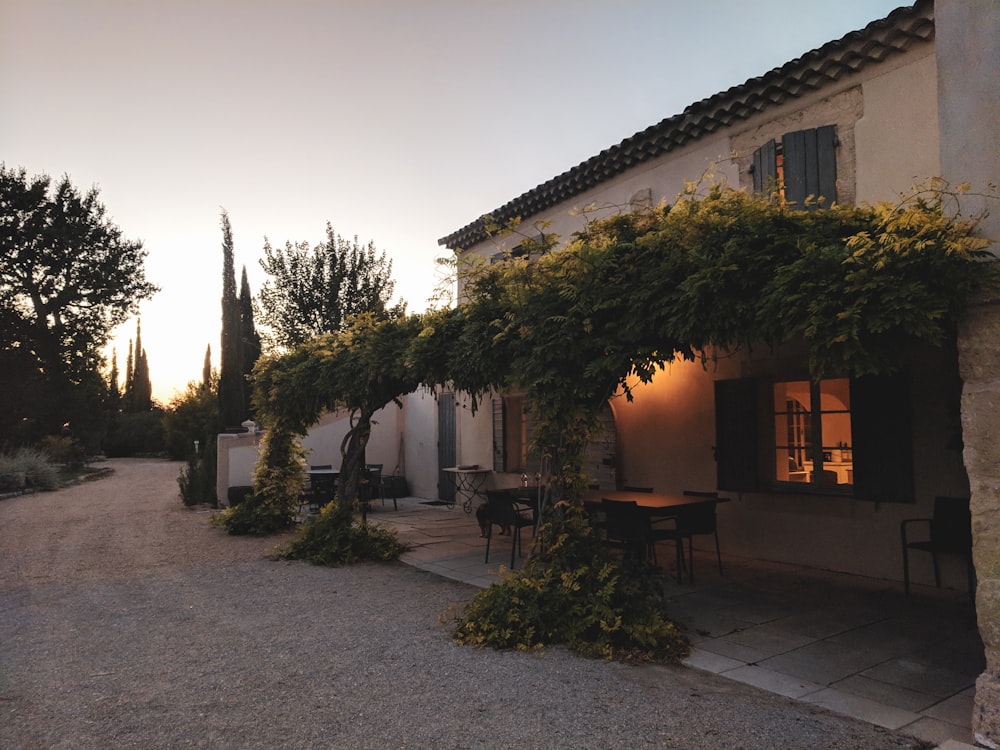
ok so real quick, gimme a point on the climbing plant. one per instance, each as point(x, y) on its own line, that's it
point(709, 275)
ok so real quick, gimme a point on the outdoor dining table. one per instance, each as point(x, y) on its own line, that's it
point(470, 481)
point(659, 504)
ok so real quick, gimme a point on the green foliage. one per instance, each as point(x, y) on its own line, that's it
point(135, 434)
point(197, 479)
point(572, 592)
point(334, 538)
point(27, 469)
point(194, 417)
point(138, 395)
point(363, 368)
point(191, 416)
point(253, 517)
point(278, 481)
point(62, 449)
point(68, 277)
point(705, 277)
point(232, 409)
point(312, 291)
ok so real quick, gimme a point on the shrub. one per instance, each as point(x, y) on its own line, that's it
point(197, 480)
point(277, 481)
point(192, 416)
point(63, 450)
point(253, 517)
point(132, 434)
point(571, 591)
point(27, 468)
point(335, 539)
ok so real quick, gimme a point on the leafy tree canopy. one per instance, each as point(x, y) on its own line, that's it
point(68, 276)
point(311, 291)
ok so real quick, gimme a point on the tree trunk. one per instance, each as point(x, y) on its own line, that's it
point(352, 454)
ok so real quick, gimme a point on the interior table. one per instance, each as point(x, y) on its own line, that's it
point(470, 481)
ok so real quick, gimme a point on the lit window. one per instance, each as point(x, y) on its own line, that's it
point(812, 432)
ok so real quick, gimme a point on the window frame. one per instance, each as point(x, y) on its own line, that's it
point(882, 449)
point(812, 450)
point(513, 431)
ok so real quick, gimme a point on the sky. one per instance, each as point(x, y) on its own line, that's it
point(397, 121)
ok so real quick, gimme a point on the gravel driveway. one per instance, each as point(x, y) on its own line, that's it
point(126, 621)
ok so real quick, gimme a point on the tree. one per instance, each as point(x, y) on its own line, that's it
point(361, 369)
point(138, 389)
point(318, 290)
point(231, 408)
point(206, 369)
point(68, 277)
point(249, 342)
point(114, 393)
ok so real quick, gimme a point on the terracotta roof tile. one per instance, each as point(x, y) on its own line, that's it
point(834, 60)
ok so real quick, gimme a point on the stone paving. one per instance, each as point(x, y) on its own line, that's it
point(853, 645)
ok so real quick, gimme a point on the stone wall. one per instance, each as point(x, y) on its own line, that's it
point(979, 357)
point(968, 56)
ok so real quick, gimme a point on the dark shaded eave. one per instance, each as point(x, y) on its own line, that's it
point(873, 44)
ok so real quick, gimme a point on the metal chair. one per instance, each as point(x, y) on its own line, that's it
point(503, 510)
point(377, 486)
point(949, 532)
point(627, 528)
point(699, 519)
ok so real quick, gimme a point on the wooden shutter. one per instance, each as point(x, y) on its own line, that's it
point(499, 444)
point(765, 167)
point(882, 435)
point(810, 164)
point(533, 462)
point(736, 435)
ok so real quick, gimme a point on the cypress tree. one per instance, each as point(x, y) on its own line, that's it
point(114, 393)
point(142, 389)
point(129, 381)
point(231, 411)
point(249, 341)
point(206, 369)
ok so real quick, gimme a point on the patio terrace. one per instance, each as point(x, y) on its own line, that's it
point(856, 646)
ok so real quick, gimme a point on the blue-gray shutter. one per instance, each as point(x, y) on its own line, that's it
point(882, 439)
point(499, 441)
point(447, 447)
point(810, 164)
point(765, 167)
point(736, 432)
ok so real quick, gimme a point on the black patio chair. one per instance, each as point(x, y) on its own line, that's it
point(948, 532)
point(377, 484)
point(503, 510)
point(626, 528)
point(697, 520)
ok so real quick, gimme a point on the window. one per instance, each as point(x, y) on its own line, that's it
point(803, 164)
point(843, 435)
point(512, 433)
point(812, 432)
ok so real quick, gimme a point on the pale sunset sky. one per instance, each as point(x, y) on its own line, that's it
point(397, 121)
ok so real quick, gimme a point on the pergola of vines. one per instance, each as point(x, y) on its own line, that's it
point(631, 293)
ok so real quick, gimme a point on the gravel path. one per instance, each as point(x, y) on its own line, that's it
point(126, 621)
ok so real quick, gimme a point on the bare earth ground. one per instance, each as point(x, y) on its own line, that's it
point(126, 621)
